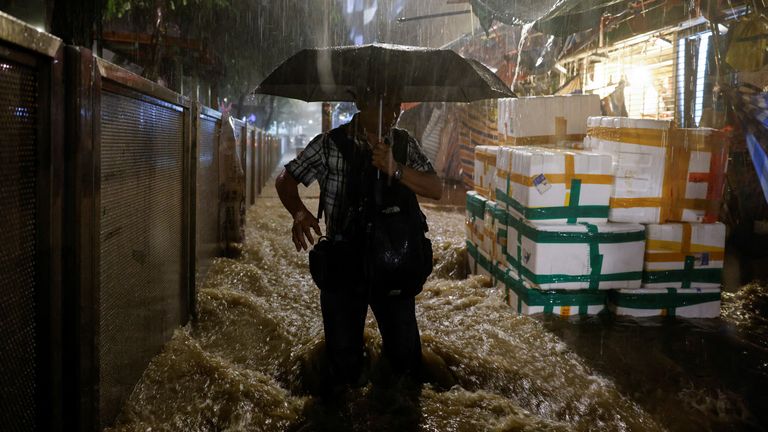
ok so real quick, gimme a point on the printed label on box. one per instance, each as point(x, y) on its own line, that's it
point(541, 183)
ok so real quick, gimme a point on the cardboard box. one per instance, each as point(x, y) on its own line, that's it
point(485, 170)
point(547, 185)
point(684, 255)
point(545, 119)
point(528, 301)
point(648, 302)
point(576, 256)
point(662, 174)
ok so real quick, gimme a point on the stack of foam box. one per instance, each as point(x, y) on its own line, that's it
point(475, 229)
point(482, 201)
point(671, 181)
point(484, 175)
point(562, 254)
point(543, 120)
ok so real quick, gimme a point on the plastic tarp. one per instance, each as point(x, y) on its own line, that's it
point(554, 17)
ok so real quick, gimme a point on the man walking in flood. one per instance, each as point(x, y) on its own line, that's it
point(336, 160)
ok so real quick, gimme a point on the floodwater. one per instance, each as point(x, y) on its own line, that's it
point(254, 358)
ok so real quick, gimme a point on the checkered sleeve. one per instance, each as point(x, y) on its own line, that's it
point(309, 164)
point(416, 157)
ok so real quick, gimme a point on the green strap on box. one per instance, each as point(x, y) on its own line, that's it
point(572, 237)
point(593, 238)
point(595, 258)
point(670, 300)
point(571, 212)
point(484, 262)
point(549, 299)
point(472, 252)
point(685, 276)
point(476, 206)
point(573, 201)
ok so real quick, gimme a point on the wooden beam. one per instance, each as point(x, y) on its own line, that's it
point(146, 39)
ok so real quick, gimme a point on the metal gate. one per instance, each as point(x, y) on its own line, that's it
point(30, 200)
point(208, 244)
point(132, 209)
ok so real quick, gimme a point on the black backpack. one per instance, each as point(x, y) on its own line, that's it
point(384, 218)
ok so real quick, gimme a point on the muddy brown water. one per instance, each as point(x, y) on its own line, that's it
point(254, 358)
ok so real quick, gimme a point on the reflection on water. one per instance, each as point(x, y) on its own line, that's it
point(254, 359)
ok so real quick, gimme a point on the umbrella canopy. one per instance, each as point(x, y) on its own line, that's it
point(413, 74)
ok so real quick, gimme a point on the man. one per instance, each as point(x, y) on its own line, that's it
point(344, 311)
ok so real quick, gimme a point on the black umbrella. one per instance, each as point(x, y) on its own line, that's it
point(414, 74)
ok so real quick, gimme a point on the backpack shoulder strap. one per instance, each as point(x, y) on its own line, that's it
point(327, 154)
point(400, 146)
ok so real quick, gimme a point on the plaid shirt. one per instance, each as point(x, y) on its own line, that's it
point(326, 165)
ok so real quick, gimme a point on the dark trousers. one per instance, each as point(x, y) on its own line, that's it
point(344, 321)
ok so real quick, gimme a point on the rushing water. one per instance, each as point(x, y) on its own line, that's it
point(254, 358)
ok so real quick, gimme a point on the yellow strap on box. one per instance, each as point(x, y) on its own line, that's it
point(678, 146)
point(678, 256)
point(639, 136)
point(671, 245)
point(565, 178)
point(541, 139)
point(678, 251)
point(485, 158)
point(486, 192)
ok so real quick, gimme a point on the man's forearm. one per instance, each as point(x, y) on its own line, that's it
point(288, 190)
point(422, 183)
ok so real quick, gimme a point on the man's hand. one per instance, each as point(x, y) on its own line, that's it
point(303, 224)
point(382, 158)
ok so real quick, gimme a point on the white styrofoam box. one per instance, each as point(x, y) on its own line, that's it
point(488, 244)
point(558, 186)
point(528, 301)
point(503, 165)
point(484, 263)
point(698, 190)
point(485, 170)
point(500, 220)
point(546, 119)
point(475, 211)
point(638, 147)
point(662, 173)
point(649, 302)
point(684, 255)
point(592, 123)
point(576, 256)
point(471, 257)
